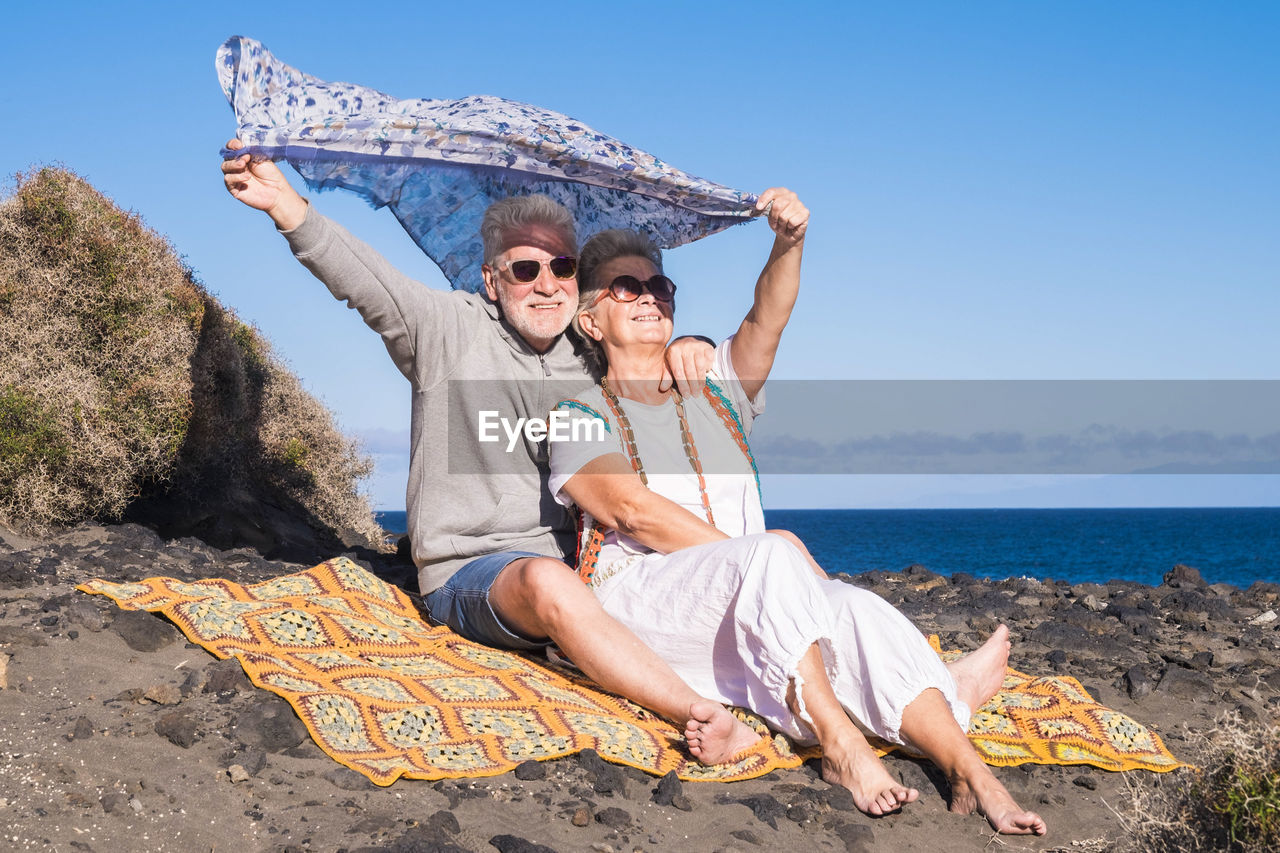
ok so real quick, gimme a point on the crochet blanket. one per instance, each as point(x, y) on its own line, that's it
point(387, 695)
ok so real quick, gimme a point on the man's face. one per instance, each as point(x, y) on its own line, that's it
point(539, 310)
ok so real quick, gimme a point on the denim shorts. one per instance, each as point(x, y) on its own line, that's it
point(463, 603)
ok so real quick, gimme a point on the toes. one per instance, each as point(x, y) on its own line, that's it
point(887, 801)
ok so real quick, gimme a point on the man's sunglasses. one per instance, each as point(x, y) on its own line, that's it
point(627, 288)
point(563, 268)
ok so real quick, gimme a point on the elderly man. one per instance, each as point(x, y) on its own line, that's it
point(488, 546)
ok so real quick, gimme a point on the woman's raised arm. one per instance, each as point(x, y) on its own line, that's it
point(756, 343)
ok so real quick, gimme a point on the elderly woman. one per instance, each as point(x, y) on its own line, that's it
point(675, 546)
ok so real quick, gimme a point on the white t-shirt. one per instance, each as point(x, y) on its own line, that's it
point(732, 486)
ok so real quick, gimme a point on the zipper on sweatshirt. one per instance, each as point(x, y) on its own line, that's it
point(546, 371)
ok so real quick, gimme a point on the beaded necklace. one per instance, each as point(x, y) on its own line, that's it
point(686, 437)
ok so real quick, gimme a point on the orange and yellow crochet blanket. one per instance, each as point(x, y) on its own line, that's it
point(388, 695)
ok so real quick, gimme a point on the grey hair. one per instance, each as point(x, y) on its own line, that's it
point(596, 252)
point(517, 212)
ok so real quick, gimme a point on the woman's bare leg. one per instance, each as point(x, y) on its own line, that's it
point(979, 675)
point(930, 727)
point(847, 758)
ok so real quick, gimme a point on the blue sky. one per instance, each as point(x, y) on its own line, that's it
point(1000, 190)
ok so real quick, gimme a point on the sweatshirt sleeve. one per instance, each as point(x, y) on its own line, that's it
point(405, 312)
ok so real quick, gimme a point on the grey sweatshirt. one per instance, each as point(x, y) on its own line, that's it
point(466, 497)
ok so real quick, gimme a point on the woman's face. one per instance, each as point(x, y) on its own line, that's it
point(645, 321)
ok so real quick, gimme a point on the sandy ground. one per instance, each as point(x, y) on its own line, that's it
point(118, 735)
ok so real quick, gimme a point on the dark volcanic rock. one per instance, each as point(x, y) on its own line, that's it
point(1183, 576)
point(429, 838)
point(443, 822)
point(1137, 683)
point(1057, 635)
point(614, 818)
point(530, 771)
point(765, 807)
point(179, 727)
point(269, 724)
point(252, 760)
point(669, 787)
point(115, 802)
point(607, 778)
point(857, 837)
point(85, 614)
point(144, 632)
point(1185, 683)
point(16, 572)
point(348, 779)
point(1191, 603)
point(224, 675)
point(512, 844)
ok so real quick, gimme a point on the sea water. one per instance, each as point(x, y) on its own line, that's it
point(1236, 546)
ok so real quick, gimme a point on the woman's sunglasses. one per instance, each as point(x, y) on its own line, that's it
point(627, 288)
point(563, 268)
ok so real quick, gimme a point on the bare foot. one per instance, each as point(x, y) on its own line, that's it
point(980, 674)
point(714, 735)
point(992, 801)
point(860, 770)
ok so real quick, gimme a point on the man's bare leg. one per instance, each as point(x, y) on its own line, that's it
point(847, 758)
point(928, 724)
point(542, 597)
point(979, 675)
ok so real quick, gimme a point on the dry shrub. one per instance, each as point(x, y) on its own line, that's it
point(1232, 802)
point(98, 319)
point(121, 376)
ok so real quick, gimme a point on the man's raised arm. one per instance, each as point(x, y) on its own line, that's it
point(399, 308)
point(263, 186)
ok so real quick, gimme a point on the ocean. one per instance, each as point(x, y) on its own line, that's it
point(1235, 546)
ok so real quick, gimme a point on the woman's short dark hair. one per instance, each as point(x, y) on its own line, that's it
point(596, 252)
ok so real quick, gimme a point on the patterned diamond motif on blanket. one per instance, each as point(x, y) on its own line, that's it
point(470, 689)
point(561, 696)
point(216, 620)
point(414, 665)
point(330, 661)
point(631, 743)
point(411, 727)
point(338, 717)
point(290, 683)
point(376, 687)
point(489, 658)
point(511, 725)
point(1124, 732)
point(289, 586)
point(364, 631)
point(293, 628)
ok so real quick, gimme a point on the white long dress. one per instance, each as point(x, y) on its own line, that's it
point(733, 618)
